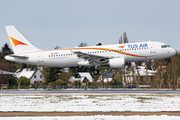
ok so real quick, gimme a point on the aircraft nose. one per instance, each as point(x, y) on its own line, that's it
point(173, 51)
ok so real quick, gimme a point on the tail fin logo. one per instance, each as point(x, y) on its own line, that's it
point(17, 42)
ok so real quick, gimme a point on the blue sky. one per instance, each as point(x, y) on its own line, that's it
point(67, 23)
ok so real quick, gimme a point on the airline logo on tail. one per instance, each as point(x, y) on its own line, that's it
point(17, 42)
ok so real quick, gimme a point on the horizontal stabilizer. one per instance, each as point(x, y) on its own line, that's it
point(16, 57)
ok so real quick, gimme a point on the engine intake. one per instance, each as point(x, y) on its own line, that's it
point(117, 63)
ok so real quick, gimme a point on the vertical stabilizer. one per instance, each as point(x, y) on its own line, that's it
point(19, 43)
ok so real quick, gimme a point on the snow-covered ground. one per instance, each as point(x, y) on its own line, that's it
point(163, 117)
point(90, 102)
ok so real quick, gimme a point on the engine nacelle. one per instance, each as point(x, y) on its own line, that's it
point(117, 63)
point(83, 63)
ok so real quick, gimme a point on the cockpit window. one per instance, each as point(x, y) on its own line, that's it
point(165, 46)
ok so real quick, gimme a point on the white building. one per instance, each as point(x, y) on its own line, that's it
point(139, 71)
point(82, 77)
point(35, 75)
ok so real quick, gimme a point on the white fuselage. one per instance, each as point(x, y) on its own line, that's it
point(141, 51)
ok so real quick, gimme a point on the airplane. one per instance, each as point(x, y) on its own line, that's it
point(115, 55)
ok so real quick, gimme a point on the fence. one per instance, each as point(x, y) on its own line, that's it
point(87, 87)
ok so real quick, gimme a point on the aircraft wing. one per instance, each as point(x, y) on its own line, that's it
point(93, 59)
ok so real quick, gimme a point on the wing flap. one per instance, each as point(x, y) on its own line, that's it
point(93, 59)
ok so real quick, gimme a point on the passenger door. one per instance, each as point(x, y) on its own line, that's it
point(152, 48)
point(40, 57)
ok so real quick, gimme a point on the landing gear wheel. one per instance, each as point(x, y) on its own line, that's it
point(154, 68)
point(96, 72)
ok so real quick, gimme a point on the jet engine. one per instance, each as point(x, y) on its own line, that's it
point(117, 63)
point(83, 63)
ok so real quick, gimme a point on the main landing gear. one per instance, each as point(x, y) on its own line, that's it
point(153, 65)
point(96, 72)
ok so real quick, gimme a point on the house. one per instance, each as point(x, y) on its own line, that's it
point(35, 75)
point(140, 71)
point(108, 77)
point(82, 76)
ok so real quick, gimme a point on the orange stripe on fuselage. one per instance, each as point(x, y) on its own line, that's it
point(92, 48)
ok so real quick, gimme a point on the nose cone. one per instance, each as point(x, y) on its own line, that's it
point(173, 51)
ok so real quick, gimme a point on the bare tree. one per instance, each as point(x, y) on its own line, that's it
point(175, 69)
point(125, 38)
point(124, 76)
point(57, 47)
point(147, 75)
point(18, 80)
point(159, 74)
point(169, 74)
point(103, 70)
point(118, 74)
point(83, 45)
point(120, 40)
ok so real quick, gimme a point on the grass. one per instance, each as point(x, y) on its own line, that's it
point(144, 98)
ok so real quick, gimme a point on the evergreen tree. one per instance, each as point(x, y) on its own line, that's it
point(5, 50)
point(66, 75)
point(50, 74)
point(25, 81)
